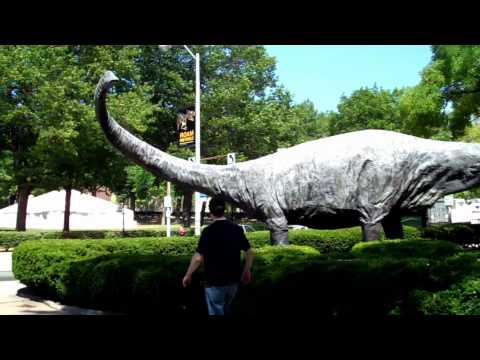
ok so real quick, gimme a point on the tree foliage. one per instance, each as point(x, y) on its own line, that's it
point(50, 139)
point(459, 67)
point(48, 120)
point(368, 108)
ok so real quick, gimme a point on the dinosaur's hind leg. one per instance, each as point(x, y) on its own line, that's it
point(371, 231)
point(392, 226)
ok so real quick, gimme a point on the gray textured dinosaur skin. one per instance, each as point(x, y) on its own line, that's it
point(368, 178)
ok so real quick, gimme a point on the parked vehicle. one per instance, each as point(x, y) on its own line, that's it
point(297, 227)
point(247, 228)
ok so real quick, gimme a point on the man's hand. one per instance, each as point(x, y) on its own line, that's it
point(187, 279)
point(246, 277)
point(197, 259)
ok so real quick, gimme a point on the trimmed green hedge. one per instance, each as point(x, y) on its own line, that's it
point(461, 234)
point(326, 241)
point(405, 249)
point(460, 299)
point(453, 288)
point(133, 276)
point(36, 263)
point(10, 238)
point(143, 275)
point(366, 286)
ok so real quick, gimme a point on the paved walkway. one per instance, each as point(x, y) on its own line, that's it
point(16, 299)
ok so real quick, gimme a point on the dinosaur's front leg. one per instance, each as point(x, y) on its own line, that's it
point(371, 231)
point(278, 227)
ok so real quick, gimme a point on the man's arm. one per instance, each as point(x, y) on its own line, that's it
point(247, 275)
point(197, 260)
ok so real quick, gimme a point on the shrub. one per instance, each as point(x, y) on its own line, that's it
point(124, 275)
point(405, 248)
point(143, 274)
point(411, 233)
point(10, 238)
point(458, 233)
point(461, 299)
point(328, 287)
point(325, 241)
point(36, 263)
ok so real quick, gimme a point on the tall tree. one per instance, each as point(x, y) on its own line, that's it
point(423, 106)
point(47, 103)
point(241, 101)
point(457, 69)
point(471, 135)
point(23, 71)
point(7, 185)
point(90, 161)
point(368, 108)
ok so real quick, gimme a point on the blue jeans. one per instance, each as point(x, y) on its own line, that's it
point(219, 299)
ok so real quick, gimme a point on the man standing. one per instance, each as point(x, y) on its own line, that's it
point(219, 248)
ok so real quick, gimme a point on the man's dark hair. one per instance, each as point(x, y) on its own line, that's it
point(217, 206)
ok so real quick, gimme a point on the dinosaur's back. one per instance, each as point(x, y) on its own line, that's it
point(372, 141)
point(365, 173)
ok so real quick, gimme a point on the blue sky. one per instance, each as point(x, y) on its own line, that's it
point(322, 73)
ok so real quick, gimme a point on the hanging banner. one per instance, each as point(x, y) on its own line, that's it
point(186, 128)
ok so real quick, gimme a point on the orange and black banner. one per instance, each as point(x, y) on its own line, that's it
point(186, 127)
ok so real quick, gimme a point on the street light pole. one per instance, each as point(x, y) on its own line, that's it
point(123, 216)
point(167, 206)
point(197, 127)
point(197, 138)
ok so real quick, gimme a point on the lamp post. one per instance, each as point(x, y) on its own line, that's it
point(123, 216)
point(196, 57)
point(121, 208)
point(167, 208)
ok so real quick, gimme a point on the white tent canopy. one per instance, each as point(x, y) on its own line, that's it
point(86, 213)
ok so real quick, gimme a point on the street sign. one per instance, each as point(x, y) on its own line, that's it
point(231, 158)
point(167, 202)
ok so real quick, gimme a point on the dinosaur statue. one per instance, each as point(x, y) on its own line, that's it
point(368, 178)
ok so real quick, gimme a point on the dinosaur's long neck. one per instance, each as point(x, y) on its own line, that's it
point(209, 179)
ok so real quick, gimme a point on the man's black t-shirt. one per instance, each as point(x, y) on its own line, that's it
point(220, 244)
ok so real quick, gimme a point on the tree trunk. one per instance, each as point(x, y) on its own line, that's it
point(202, 213)
point(66, 216)
point(23, 193)
point(187, 208)
point(132, 201)
point(94, 191)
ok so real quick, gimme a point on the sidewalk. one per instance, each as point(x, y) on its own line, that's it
point(16, 299)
